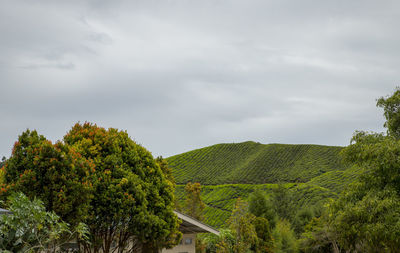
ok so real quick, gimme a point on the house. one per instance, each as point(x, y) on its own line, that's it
point(189, 228)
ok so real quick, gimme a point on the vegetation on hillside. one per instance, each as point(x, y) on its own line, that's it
point(313, 173)
point(366, 217)
point(341, 208)
point(295, 198)
point(254, 163)
point(220, 199)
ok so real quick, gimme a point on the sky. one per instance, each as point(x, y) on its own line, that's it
point(184, 74)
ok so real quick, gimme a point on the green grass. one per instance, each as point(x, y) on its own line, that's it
point(314, 173)
point(254, 163)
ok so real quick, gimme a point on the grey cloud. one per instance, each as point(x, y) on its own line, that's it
point(179, 75)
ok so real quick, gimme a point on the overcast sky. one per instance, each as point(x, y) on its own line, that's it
point(184, 74)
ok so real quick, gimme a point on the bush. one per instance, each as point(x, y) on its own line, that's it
point(30, 228)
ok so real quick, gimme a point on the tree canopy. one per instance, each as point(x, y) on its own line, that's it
point(103, 178)
point(391, 108)
point(366, 217)
point(54, 173)
point(194, 205)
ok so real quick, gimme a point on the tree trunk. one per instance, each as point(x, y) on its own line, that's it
point(335, 247)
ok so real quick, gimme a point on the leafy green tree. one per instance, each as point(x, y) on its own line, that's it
point(265, 241)
point(55, 173)
point(367, 214)
point(391, 107)
point(101, 177)
point(246, 233)
point(285, 238)
point(241, 224)
point(30, 228)
point(260, 206)
point(319, 236)
point(366, 217)
point(284, 202)
point(302, 218)
point(368, 222)
point(222, 243)
point(194, 205)
point(133, 199)
point(167, 171)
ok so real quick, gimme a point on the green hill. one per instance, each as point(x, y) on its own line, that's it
point(254, 163)
point(314, 173)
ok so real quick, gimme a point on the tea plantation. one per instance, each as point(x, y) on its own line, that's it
point(254, 163)
point(314, 173)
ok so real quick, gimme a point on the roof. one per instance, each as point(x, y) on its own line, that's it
point(4, 211)
point(191, 225)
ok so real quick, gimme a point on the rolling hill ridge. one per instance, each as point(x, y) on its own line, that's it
point(254, 163)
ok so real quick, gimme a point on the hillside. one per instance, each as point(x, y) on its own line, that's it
point(254, 163)
point(228, 171)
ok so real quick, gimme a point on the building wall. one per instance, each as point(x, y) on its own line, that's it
point(187, 245)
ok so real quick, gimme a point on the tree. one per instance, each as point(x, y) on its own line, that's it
point(265, 241)
point(391, 108)
point(133, 199)
point(222, 243)
point(302, 218)
point(30, 228)
point(285, 239)
point(368, 221)
point(319, 236)
point(194, 205)
point(163, 164)
point(283, 202)
point(101, 177)
point(55, 173)
point(246, 233)
point(241, 224)
point(366, 217)
point(260, 206)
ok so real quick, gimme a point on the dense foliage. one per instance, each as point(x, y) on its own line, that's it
point(30, 228)
point(194, 204)
point(55, 173)
point(133, 200)
point(245, 233)
point(220, 199)
point(100, 177)
point(366, 217)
